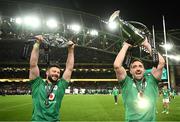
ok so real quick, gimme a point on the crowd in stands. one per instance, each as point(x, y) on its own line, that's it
point(81, 87)
point(14, 88)
point(24, 88)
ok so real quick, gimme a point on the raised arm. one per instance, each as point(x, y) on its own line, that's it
point(69, 62)
point(119, 69)
point(156, 71)
point(34, 69)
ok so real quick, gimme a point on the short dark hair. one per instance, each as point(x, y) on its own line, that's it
point(53, 65)
point(136, 59)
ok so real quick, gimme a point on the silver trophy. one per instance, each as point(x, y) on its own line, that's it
point(135, 36)
point(132, 35)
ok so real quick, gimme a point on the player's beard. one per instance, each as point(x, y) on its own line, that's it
point(51, 79)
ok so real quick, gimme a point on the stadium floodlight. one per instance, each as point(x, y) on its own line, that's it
point(173, 57)
point(112, 25)
point(75, 27)
point(18, 20)
point(32, 21)
point(167, 46)
point(52, 23)
point(94, 32)
point(176, 57)
point(143, 103)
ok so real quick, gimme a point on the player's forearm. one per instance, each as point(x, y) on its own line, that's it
point(161, 61)
point(148, 47)
point(70, 59)
point(121, 55)
point(34, 55)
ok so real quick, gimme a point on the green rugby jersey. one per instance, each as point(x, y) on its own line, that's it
point(41, 111)
point(165, 93)
point(115, 92)
point(173, 93)
point(133, 110)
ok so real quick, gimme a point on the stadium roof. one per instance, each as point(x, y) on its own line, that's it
point(101, 49)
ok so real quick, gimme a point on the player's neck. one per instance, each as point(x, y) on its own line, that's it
point(139, 80)
point(48, 81)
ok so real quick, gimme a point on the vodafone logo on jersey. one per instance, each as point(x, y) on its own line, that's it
point(51, 96)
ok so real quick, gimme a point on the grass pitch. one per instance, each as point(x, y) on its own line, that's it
point(80, 108)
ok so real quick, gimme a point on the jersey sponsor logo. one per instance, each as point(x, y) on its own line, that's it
point(51, 96)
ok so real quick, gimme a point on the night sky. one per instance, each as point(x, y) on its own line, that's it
point(148, 12)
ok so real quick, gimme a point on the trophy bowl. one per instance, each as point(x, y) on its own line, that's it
point(130, 33)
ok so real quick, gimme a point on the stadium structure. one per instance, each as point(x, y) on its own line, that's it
point(97, 46)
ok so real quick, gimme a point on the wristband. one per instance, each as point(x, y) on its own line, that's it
point(36, 45)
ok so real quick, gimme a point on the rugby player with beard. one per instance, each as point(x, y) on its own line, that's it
point(47, 94)
point(140, 91)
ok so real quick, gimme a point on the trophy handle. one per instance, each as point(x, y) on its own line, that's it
point(114, 16)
